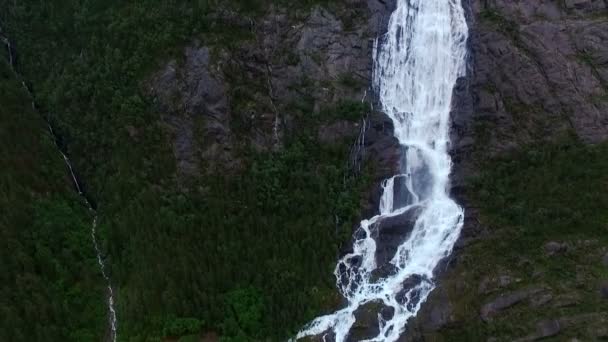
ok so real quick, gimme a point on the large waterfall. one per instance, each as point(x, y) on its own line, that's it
point(416, 65)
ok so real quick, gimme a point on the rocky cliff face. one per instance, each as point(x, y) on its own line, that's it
point(538, 71)
point(221, 97)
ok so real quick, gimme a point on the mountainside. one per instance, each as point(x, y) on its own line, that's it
point(231, 147)
point(529, 145)
point(48, 262)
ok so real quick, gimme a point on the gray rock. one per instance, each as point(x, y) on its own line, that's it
point(367, 325)
point(554, 248)
point(547, 328)
point(383, 271)
point(491, 284)
point(541, 299)
point(567, 300)
point(257, 82)
point(503, 302)
point(187, 93)
point(604, 289)
point(439, 315)
point(517, 89)
point(391, 232)
point(605, 260)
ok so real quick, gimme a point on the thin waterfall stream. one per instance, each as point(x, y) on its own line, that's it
point(113, 325)
point(416, 65)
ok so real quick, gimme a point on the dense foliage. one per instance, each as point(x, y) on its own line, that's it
point(248, 256)
point(50, 288)
point(552, 192)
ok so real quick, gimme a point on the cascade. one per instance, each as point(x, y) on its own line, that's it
point(416, 65)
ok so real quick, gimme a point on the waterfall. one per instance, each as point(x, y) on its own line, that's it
point(113, 325)
point(416, 65)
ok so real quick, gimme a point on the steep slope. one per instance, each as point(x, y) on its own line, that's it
point(49, 267)
point(230, 148)
point(530, 125)
point(226, 146)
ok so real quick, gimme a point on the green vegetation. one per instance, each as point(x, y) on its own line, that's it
point(182, 326)
point(526, 199)
point(273, 227)
point(260, 242)
point(51, 288)
point(244, 253)
point(344, 110)
point(502, 24)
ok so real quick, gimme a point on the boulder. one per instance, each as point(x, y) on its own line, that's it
point(367, 322)
point(541, 299)
point(553, 248)
point(390, 232)
point(567, 300)
point(547, 328)
point(491, 284)
point(503, 302)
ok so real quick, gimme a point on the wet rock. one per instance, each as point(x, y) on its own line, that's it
point(326, 336)
point(583, 6)
point(384, 271)
point(367, 317)
point(409, 295)
point(391, 232)
point(380, 146)
point(439, 315)
point(381, 149)
point(503, 302)
point(554, 248)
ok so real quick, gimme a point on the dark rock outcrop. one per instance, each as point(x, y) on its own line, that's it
point(552, 248)
point(545, 328)
point(193, 96)
point(539, 71)
point(367, 323)
point(504, 301)
point(218, 97)
point(392, 232)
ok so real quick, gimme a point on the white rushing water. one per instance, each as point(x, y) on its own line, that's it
point(416, 65)
point(113, 325)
